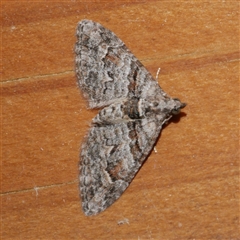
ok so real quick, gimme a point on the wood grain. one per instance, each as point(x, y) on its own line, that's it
point(188, 189)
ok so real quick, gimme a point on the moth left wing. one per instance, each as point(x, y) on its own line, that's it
point(106, 69)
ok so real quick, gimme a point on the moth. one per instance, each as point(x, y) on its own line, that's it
point(133, 109)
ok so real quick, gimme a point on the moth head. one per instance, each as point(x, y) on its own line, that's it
point(178, 105)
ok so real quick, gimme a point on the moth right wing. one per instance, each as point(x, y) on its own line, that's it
point(112, 155)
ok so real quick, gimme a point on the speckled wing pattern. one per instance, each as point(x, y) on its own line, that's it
point(134, 109)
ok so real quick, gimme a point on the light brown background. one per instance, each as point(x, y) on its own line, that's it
point(189, 189)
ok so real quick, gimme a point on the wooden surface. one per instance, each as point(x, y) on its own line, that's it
point(189, 189)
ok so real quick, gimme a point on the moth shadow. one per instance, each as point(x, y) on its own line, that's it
point(176, 118)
